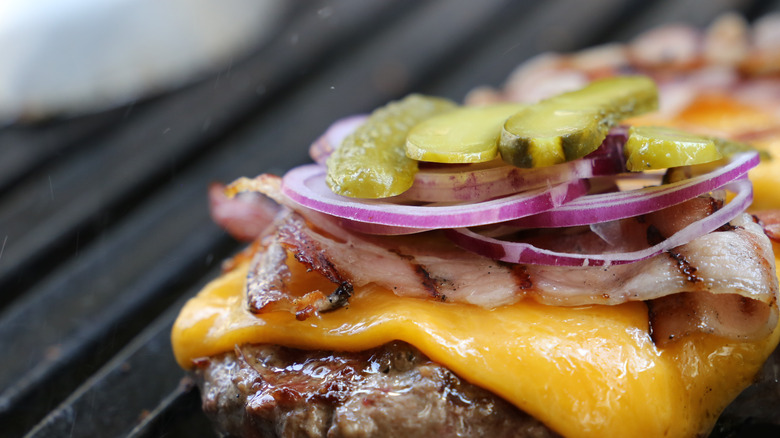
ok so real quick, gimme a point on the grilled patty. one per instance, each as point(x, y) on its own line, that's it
point(393, 390)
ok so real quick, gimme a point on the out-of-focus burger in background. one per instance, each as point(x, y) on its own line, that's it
point(70, 57)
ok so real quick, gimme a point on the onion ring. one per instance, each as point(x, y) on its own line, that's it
point(619, 205)
point(306, 186)
point(519, 252)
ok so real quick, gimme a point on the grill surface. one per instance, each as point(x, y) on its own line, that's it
point(104, 227)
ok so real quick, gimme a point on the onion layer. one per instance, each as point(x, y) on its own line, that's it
point(519, 252)
point(619, 205)
point(306, 186)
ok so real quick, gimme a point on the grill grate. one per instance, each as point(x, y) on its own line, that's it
point(104, 227)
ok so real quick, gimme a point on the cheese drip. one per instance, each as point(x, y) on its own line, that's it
point(585, 372)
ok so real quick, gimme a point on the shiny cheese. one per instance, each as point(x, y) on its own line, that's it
point(725, 116)
point(589, 371)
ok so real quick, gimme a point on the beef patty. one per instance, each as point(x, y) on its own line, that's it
point(393, 390)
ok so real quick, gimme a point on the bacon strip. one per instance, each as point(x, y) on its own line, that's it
point(267, 286)
point(726, 280)
point(268, 279)
point(736, 261)
point(729, 315)
point(245, 215)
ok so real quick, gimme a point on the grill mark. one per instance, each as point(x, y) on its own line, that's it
point(266, 281)
point(522, 277)
point(749, 307)
point(685, 267)
point(652, 323)
point(655, 320)
point(430, 283)
point(269, 288)
point(310, 255)
point(672, 317)
point(406, 257)
point(315, 260)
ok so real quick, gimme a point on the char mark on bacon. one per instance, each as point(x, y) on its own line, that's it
point(269, 276)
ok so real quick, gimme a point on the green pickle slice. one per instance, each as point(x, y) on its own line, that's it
point(371, 162)
point(652, 147)
point(465, 135)
point(572, 125)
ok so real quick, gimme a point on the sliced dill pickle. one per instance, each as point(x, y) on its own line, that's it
point(652, 147)
point(465, 135)
point(572, 125)
point(371, 162)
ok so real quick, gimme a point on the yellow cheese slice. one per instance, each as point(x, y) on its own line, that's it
point(585, 372)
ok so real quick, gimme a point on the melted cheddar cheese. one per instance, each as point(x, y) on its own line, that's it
point(586, 371)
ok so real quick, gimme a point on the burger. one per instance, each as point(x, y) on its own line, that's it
point(584, 264)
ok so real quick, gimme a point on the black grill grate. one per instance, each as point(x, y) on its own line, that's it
point(104, 228)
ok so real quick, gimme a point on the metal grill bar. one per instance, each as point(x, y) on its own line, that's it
point(96, 290)
point(142, 150)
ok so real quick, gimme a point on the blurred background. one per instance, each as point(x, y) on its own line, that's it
point(115, 115)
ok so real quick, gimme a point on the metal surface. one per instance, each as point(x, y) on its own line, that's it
point(104, 227)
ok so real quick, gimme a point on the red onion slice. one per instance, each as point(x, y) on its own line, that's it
point(320, 150)
point(377, 229)
point(518, 252)
point(619, 205)
point(306, 186)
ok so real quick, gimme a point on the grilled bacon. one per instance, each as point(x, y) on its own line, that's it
point(726, 280)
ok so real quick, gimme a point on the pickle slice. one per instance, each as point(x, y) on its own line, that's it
point(652, 147)
point(371, 162)
point(572, 125)
point(465, 135)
